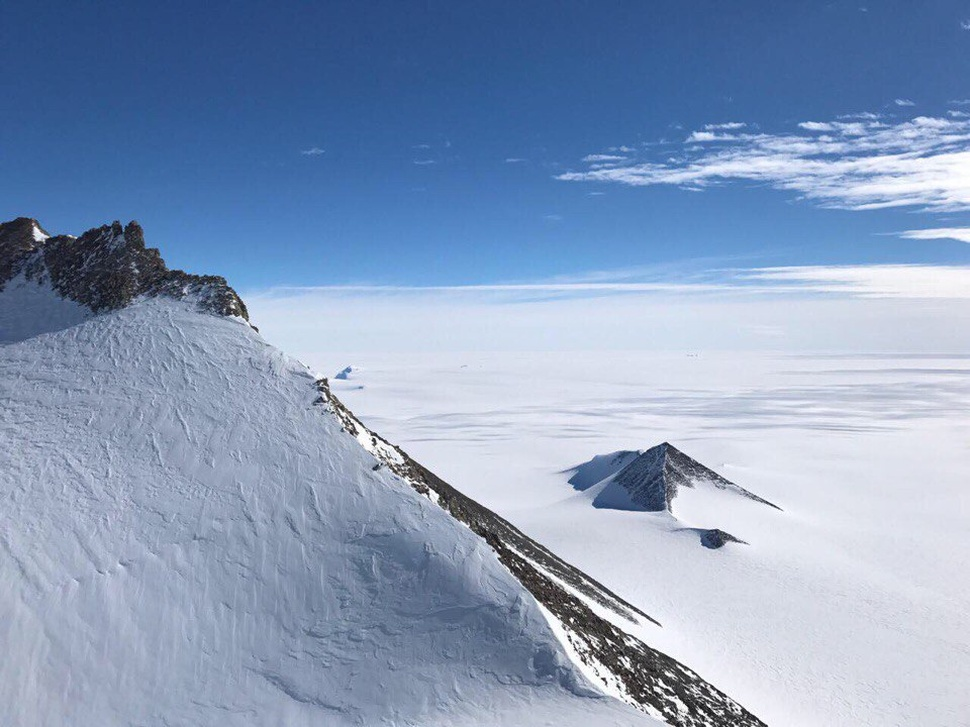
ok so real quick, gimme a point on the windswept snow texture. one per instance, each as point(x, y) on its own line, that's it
point(186, 539)
point(28, 307)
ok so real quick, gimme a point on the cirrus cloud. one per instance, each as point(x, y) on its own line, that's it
point(857, 163)
point(961, 234)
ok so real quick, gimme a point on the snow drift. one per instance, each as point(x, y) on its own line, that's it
point(195, 531)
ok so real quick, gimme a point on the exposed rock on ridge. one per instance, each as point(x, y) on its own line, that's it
point(647, 678)
point(106, 268)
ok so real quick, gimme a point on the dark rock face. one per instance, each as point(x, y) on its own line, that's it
point(653, 478)
point(715, 539)
point(651, 680)
point(106, 268)
point(16, 244)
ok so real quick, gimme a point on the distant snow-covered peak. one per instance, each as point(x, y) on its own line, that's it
point(652, 480)
point(345, 373)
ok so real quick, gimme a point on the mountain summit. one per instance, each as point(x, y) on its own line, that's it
point(195, 530)
point(105, 269)
point(653, 479)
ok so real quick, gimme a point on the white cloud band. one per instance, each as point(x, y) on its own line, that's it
point(859, 164)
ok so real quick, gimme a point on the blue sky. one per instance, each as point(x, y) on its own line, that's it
point(323, 144)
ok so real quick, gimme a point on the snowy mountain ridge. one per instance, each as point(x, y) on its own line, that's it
point(185, 538)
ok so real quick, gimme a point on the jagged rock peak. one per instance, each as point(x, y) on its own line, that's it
point(653, 478)
point(106, 268)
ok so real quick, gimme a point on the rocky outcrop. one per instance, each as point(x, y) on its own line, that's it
point(19, 239)
point(653, 479)
point(715, 538)
point(106, 268)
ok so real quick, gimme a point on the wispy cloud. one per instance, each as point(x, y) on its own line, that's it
point(866, 281)
point(857, 163)
point(873, 281)
point(313, 151)
point(861, 116)
point(904, 102)
point(965, 24)
point(939, 233)
point(424, 162)
point(726, 126)
point(599, 158)
point(515, 160)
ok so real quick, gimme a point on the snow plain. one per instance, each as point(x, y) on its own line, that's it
point(185, 538)
point(850, 608)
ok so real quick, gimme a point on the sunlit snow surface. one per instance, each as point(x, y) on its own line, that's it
point(186, 540)
point(849, 608)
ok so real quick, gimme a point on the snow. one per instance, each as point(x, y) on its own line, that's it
point(345, 373)
point(847, 609)
point(28, 308)
point(597, 469)
point(186, 539)
point(39, 234)
point(608, 494)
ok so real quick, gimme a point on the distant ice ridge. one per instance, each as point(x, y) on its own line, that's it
point(195, 530)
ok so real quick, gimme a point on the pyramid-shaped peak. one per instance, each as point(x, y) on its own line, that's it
point(653, 479)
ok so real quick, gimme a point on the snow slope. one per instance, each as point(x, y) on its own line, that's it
point(192, 516)
point(847, 609)
point(186, 539)
point(29, 309)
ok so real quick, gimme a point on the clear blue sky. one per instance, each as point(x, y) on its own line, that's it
point(196, 122)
